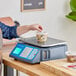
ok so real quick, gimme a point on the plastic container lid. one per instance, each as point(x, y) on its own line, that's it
point(41, 33)
point(73, 53)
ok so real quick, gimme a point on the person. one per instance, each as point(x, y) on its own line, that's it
point(10, 32)
point(11, 29)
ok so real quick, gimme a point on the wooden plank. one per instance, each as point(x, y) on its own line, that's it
point(56, 66)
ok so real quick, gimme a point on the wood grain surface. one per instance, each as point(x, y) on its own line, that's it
point(56, 66)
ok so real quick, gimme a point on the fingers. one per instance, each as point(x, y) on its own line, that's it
point(36, 27)
point(40, 28)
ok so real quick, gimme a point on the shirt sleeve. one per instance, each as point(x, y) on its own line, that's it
point(13, 32)
point(8, 32)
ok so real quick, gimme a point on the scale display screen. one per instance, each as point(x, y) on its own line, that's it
point(23, 51)
point(17, 51)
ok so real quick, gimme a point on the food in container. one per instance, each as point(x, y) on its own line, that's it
point(71, 56)
point(41, 36)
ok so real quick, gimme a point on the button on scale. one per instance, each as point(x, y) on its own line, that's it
point(32, 55)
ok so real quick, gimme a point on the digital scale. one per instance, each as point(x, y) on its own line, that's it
point(29, 50)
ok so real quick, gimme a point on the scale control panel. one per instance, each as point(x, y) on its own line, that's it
point(24, 52)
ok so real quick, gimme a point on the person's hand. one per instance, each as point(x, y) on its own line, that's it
point(36, 27)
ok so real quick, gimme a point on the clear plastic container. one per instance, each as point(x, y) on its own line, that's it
point(71, 56)
point(41, 37)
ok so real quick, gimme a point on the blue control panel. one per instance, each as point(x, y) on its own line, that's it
point(23, 51)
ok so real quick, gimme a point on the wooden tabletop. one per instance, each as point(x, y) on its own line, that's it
point(32, 70)
point(58, 67)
